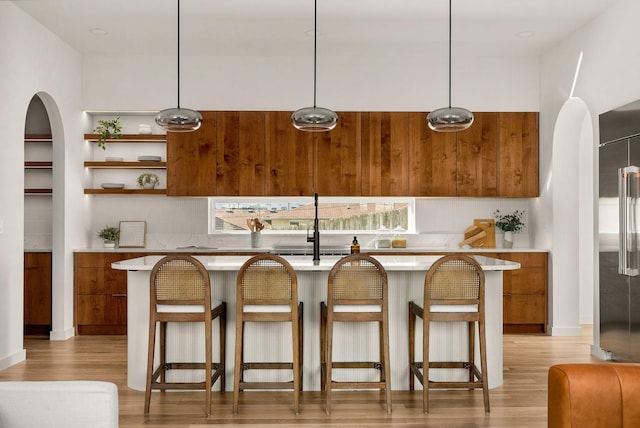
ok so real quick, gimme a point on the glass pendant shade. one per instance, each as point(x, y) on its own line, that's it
point(314, 119)
point(450, 119)
point(179, 119)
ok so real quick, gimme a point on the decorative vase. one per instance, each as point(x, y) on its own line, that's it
point(255, 239)
point(109, 244)
point(508, 239)
point(148, 185)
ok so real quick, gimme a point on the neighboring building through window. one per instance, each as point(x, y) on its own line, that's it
point(293, 214)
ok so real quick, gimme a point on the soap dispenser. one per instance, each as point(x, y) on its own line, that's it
point(355, 246)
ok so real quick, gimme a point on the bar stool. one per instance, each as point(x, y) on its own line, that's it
point(357, 292)
point(453, 292)
point(267, 291)
point(181, 292)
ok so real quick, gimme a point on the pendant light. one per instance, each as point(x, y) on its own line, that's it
point(179, 119)
point(314, 119)
point(450, 119)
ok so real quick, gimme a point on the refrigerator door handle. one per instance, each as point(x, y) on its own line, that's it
point(628, 185)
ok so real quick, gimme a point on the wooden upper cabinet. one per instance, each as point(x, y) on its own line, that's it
point(477, 157)
point(518, 155)
point(240, 165)
point(337, 158)
point(289, 157)
point(385, 153)
point(191, 160)
point(432, 159)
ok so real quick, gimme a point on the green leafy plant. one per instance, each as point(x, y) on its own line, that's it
point(108, 129)
point(109, 233)
point(510, 222)
point(147, 178)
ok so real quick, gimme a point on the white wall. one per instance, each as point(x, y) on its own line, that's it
point(608, 79)
point(33, 61)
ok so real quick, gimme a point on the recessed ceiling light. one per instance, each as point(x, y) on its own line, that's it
point(526, 34)
point(98, 31)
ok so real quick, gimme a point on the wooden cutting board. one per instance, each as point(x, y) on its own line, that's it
point(474, 236)
point(489, 226)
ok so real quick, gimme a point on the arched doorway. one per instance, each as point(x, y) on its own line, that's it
point(572, 237)
point(55, 212)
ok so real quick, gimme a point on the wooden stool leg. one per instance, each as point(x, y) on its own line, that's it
point(386, 359)
point(150, 354)
point(295, 337)
point(237, 371)
point(163, 352)
point(208, 365)
point(301, 341)
point(329, 359)
point(472, 348)
point(425, 365)
point(483, 363)
point(223, 348)
point(323, 346)
point(412, 346)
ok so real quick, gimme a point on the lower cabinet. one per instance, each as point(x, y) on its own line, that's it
point(100, 293)
point(37, 293)
point(525, 293)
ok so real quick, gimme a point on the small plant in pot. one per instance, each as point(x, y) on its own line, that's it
point(108, 129)
point(509, 224)
point(148, 180)
point(109, 235)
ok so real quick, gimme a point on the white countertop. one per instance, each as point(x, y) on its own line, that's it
point(305, 263)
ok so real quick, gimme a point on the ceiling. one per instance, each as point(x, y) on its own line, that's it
point(285, 27)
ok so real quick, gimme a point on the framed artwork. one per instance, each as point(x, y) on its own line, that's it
point(133, 234)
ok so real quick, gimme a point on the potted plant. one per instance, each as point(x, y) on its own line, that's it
point(108, 129)
point(110, 234)
point(509, 224)
point(148, 180)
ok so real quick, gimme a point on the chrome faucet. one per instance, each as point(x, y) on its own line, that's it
point(316, 235)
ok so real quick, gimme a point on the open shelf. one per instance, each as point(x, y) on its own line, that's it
point(125, 191)
point(129, 138)
point(38, 165)
point(38, 138)
point(125, 165)
point(38, 191)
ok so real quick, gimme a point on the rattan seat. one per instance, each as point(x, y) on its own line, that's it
point(357, 293)
point(267, 291)
point(453, 292)
point(181, 292)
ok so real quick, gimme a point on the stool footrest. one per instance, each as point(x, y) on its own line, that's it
point(267, 366)
point(266, 385)
point(357, 365)
point(358, 385)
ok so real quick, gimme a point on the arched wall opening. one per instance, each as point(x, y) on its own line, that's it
point(572, 278)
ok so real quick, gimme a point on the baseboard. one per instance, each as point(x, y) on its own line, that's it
point(565, 331)
point(62, 334)
point(13, 359)
point(598, 352)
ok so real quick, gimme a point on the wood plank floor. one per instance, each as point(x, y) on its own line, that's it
point(520, 402)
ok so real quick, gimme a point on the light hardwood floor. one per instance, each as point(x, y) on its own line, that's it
point(520, 402)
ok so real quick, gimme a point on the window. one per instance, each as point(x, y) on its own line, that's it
point(292, 214)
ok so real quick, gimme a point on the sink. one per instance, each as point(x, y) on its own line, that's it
point(296, 250)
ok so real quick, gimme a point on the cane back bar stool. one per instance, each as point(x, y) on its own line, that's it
point(453, 292)
point(267, 291)
point(357, 292)
point(181, 292)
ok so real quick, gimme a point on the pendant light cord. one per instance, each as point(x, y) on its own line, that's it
point(315, 48)
point(178, 53)
point(449, 53)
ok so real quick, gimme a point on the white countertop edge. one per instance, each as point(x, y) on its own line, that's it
point(269, 249)
point(304, 263)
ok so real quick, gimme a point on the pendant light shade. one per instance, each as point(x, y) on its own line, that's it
point(314, 119)
point(179, 119)
point(450, 119)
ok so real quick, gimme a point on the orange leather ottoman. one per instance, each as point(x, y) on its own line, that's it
point(602, 395)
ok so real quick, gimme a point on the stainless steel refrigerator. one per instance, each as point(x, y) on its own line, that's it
point(619, 226)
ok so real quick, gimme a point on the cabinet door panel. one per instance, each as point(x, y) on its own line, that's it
point(37, 288)
point(477, 157)
point(385, 154)
point(518, 155)
point(101, 281)
point(191, 160)
point(289, 157)
point(526, 309)
point(241, 154)
point(101, 309)
point(337, 158)
point(525, 281)
point(527, 259)
point(432, 159)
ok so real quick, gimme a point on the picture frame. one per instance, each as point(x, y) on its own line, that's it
point(133, 234)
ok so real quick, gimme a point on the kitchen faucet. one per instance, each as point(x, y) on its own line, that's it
point(316, 235)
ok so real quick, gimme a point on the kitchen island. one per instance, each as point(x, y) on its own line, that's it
point(406, 283)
